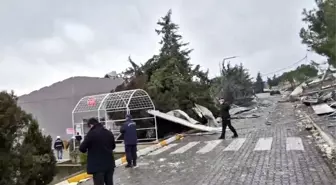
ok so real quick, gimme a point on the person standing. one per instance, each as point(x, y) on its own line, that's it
point(130, 141)
point(78, 137)
point(59, 146)
point(99, 144)
point(226, 120)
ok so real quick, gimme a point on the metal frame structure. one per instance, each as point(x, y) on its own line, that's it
point(102, 104)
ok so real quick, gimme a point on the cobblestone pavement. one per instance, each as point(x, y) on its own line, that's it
point(277, 153)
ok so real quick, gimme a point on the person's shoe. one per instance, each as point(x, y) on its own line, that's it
point(221, 137)
point(128, 166)
point(235, 136)
point(134, 163)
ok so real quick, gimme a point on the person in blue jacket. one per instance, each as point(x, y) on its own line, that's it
point(130, 141)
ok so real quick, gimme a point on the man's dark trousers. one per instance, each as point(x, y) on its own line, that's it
point(103, 178)
point(131, 154)
point(227, 123)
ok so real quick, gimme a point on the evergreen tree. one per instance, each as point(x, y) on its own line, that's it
point(38, 166)
point(172, 83)
point(234, 83)
point(259, 84)
point(26, 157)
point(12, 121)
point(320, 35)
point(275, 80)
point(168, 77)
point(299, 75)
point(269, 82)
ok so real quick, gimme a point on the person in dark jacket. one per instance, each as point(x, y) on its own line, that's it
point(78, 137)
point(226, 120)
point(130, 141)
point(59, 146)
point(99, 144)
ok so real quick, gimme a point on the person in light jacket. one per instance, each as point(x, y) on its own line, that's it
point(99, 144)
point(130, 141)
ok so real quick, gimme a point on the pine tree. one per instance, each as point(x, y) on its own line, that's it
point(171, 78)
point(235, 82)
point(320, 34)
point(12, 122)
point(172, 46)
point(259, 84)
point(275, 80)
point(40, 166)
point(22, 145)
point(269, 82)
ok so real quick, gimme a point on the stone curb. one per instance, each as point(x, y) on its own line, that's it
point(119, 162)
point(326, 137)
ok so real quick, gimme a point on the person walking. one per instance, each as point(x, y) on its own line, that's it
point(59, 146)
point(99, 144)
point(226, 120)
point(130, 141)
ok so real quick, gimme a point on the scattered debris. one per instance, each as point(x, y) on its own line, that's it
point(322, 109)
point(297, 91)
point(309, 127)
point(183, 122)
point(213, 124)
point(322, 139)
point(237, 110)
point(180, 114)
point(162, 159)
point(274, 92)
point(309, 100)
point(203, 111)
point(317, 96)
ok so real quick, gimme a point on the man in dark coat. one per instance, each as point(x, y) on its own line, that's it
point(130, 141)
point(226, 120)
point(99, 144)
point(59, 146)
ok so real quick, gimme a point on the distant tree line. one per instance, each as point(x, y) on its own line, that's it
point(296, 76)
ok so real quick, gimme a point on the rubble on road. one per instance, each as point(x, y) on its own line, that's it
point(323, 108)
point(317, 99)
point(327, 148)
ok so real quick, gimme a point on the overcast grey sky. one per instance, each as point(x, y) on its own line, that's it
point(45, 41)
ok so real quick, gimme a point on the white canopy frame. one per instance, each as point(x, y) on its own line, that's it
point(124, 101)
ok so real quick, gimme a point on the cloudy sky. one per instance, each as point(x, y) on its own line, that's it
point(45, 41)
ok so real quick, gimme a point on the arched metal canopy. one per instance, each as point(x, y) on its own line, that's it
point(135, 99)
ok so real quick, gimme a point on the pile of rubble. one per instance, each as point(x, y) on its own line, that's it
point(319, 93)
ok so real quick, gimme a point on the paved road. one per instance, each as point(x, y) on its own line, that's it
point(277, 153)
